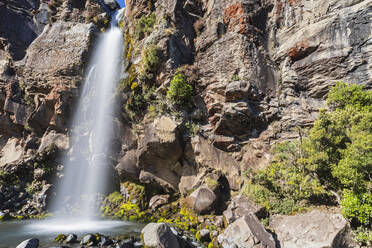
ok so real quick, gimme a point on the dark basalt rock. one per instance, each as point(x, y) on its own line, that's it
point(71, 238)
point(29, 243)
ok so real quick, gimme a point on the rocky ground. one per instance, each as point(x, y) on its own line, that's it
point(259, 70)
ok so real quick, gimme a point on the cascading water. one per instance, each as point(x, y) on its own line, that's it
point(86, 167)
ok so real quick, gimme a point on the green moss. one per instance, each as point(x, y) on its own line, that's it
point(211, 245)
point(60, 238)
point(116, 198)
point(197, 236)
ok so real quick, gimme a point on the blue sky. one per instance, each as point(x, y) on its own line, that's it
point(121, 3)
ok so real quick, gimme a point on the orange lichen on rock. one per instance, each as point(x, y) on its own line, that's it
point(298, 51)
point(294, 2)
point(236, 16)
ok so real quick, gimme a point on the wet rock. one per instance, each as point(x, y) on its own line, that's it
point(240, 206)
point(202, 200)
point(138, 244)
point(5, 216)
point(29, 243)
point(105, 241)
point(247, 231)
point(71, 238)
point(128, 243)
point(313, 229)
point(158, 200)
point(89, 240)
point(159, 235)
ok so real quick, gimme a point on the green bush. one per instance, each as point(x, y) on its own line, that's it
point(152, 58)
point(357, 207)
point(144, 25)
point(335, 159)
point(285, 185)
point(180, 91)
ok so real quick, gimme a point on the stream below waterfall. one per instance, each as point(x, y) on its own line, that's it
point(86, 169)
point(14, 232)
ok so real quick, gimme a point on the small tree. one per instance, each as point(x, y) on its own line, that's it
point(180, 91)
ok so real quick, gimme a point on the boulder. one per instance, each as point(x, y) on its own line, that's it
point(159, 235)
point(158, 154)
point(29, 243)
point(313, 230)
point(210, 157)
point(246, 232)
point(127, 166)
point(240, 206)
point(71, 238)
point(89, 240)
point(203, 200)
point(158, 200)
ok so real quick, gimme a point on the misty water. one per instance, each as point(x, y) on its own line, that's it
point(87, 165)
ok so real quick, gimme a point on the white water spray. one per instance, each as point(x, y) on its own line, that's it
point(86, 167)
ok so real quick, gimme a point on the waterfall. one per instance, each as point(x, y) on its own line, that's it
point(86, 166)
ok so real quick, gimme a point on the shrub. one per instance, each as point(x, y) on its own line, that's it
point(180, 91)
point(152, 58)
point(144, 25)
point(357, 208)
point(335, 159)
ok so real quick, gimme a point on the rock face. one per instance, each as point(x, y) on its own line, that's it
point(41, 70)
point(65, 57)
point(246, 232)
point(314, 229)
point(159, 235)
point(23, 31)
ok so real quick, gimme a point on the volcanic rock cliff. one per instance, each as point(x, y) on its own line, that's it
point(260, 70)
